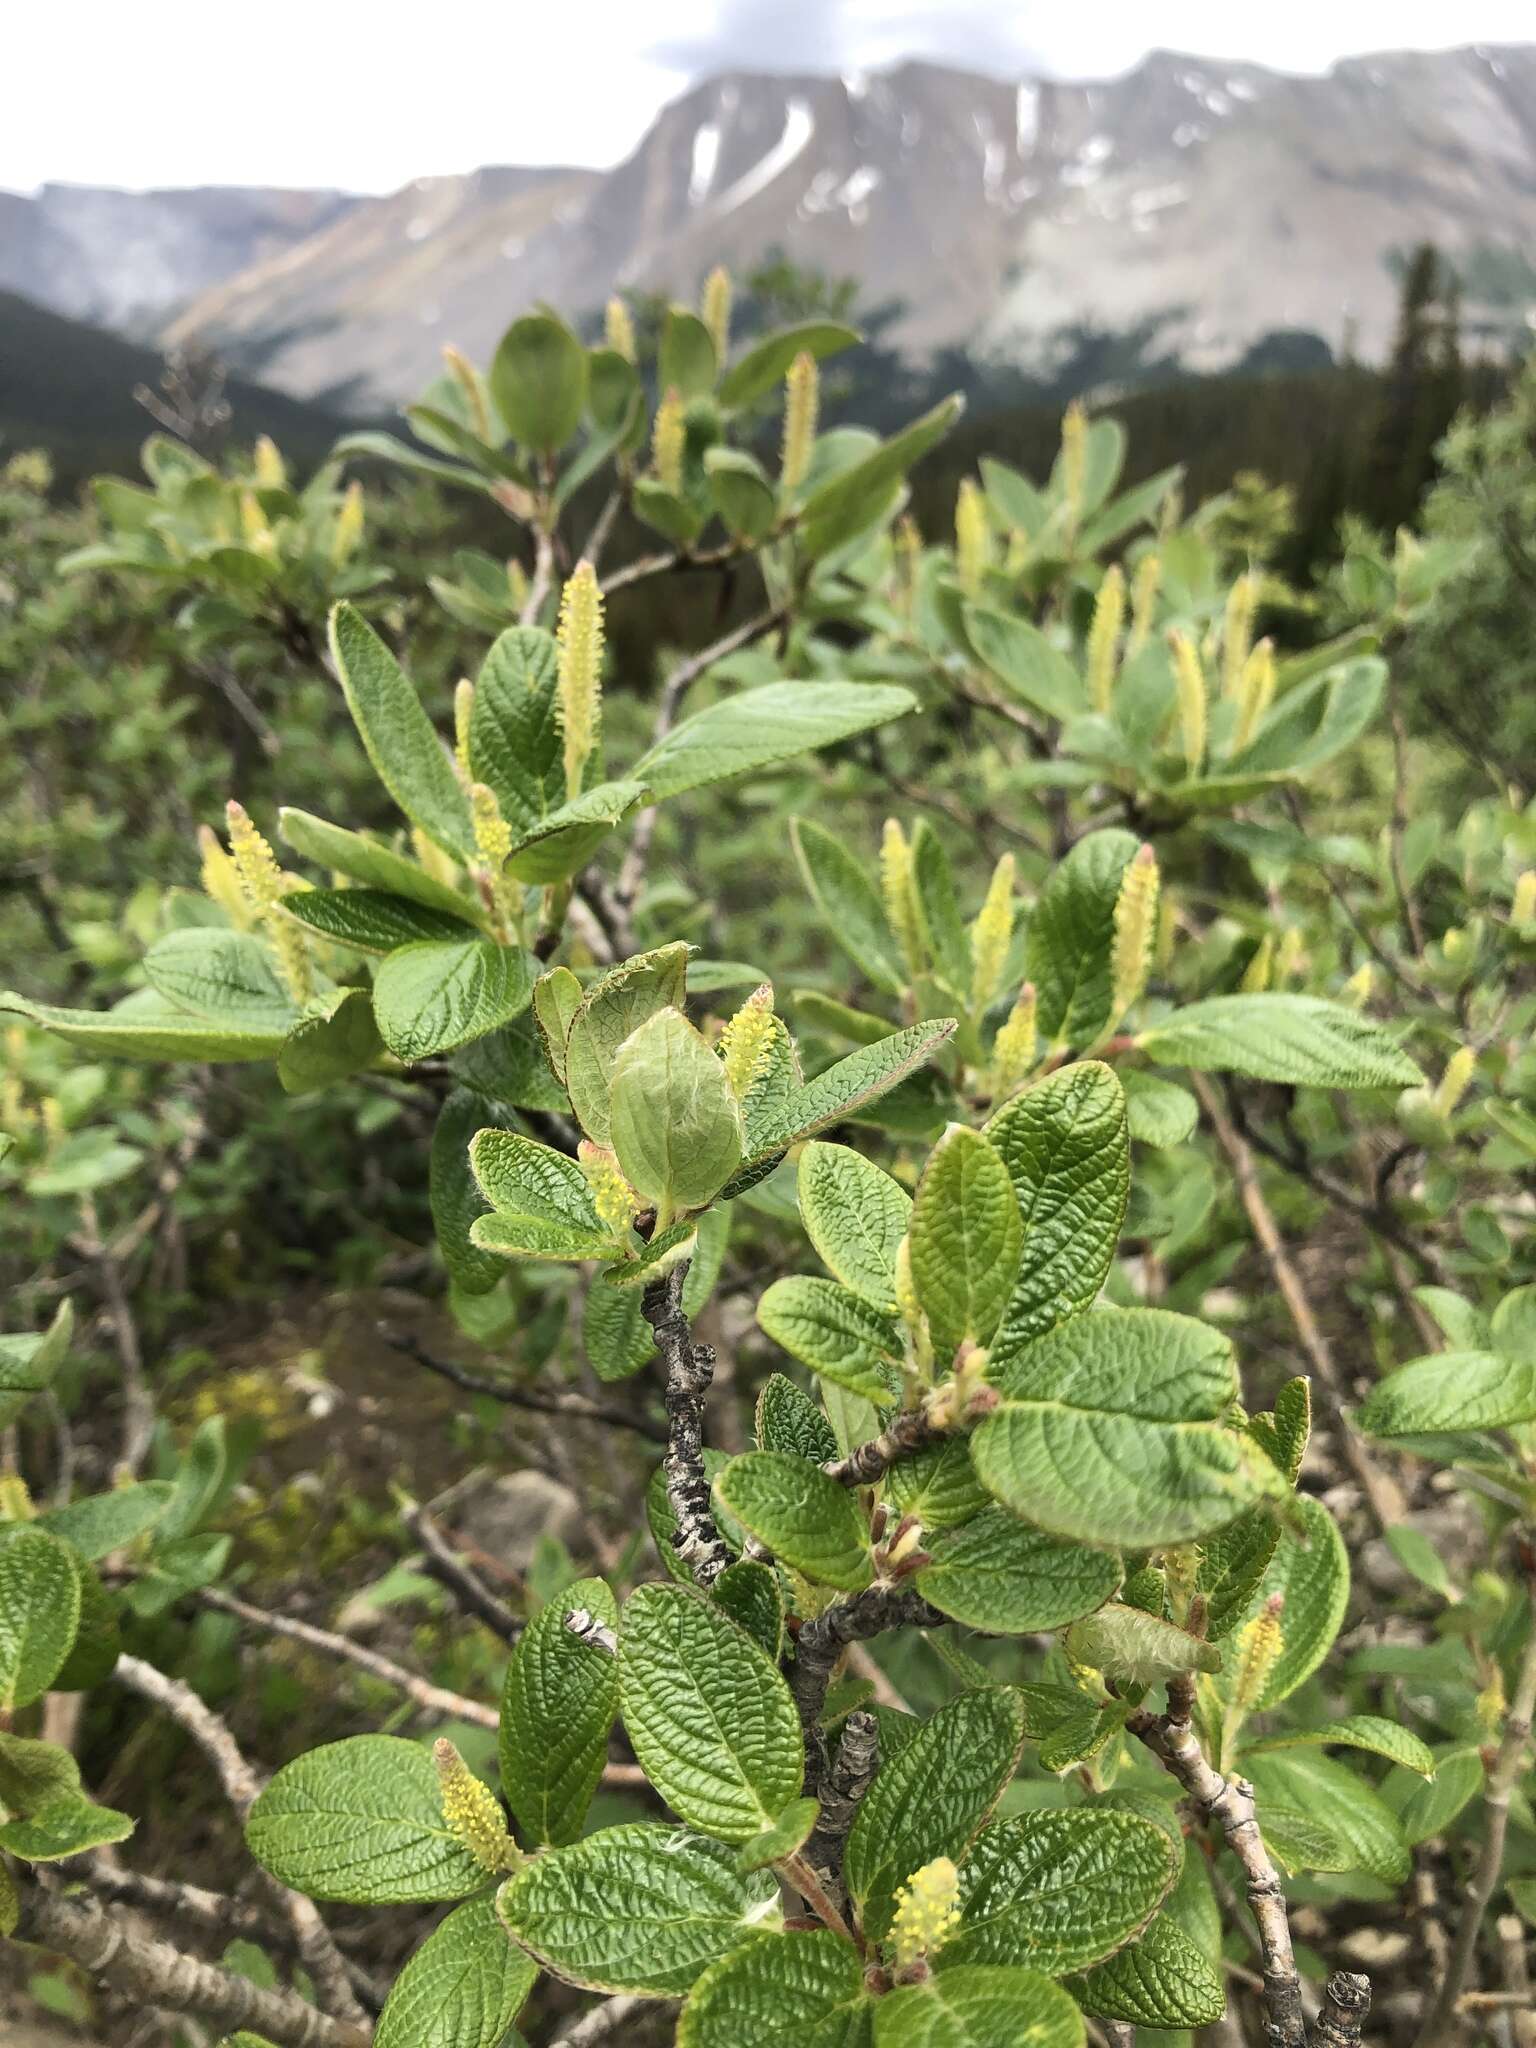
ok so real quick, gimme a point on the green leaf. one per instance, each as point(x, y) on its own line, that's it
point(1305, 1040)
point(748, 1591)
point(664, 1250)
point(685, 361)
point(334, 1041)
point(1358, 1819)
point(1312, 1577)
point(1068, 1156)
point(1070, 1726)
point(1138, 1648)
point(538, 378)
point(938, 1485)
point(196, 1486)
point(453, 1195)
point(836, 1333)
point(1067, 946)
point(397, 735)
point(856, 1216)
point(1160, 1980)
point(1159, 1112)
point(788, 1420)
point(641, 1909)
point(557, 996)
point(515, 745)
point(523, 1177)
point(931, 1799)
point(767, 362)
point(1111, 1430)
point(1429, 1809)
point(103, 1522)
point(606, 1016)
point(614, 1334)
point(1061, 1890)
point(369, 920)
point(462, 1988)
point(855, 1081)
point(361, 1822)
point(675, 1124)
point(1358, 1731)
point(741, 493)
point(437, 994)
point(567, 839)
point(965, 1236)
point(1233, 1562)
point(760, 727)
point(28, 1363)
point(65, 1826)
point(39, 1614)
point(144, 1027)
point(1022, 658)
point(788, 1835)
point(999, 1575)
point(803, 1517)
point(1451, 1391)
point(711, 1720)
point(368, 862)
point(557, 1706)
point(851, 500)
point(796, 1990)
point(849, 902)
point(977, 2007)
point(223, 975)
point(1285, 1434)
point(389, 448)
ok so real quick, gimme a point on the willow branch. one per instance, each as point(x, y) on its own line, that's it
point(822, 1642)
point(1438, 2024)
point(153, 1973)
point(242, 1785)
point(538, 1400)
point(1346, 2002)
point(851, 1774)
point(450, 1569)
point(908, 1432)
point(432, 1699)
point(138, 1403)
point(602, 2022)
point(1229, 1802)
point(690, 1367)
point(1381, 1494)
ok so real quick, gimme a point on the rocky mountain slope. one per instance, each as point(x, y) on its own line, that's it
point(1222, 201)
point(128, 259)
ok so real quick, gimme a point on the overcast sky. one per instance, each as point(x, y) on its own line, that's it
point(331, 92)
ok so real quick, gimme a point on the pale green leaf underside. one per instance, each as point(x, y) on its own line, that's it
point(763, 726)
point(1451, 1391)
point(1306, 1040)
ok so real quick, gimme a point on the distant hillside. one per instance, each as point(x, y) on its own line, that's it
point(68, 388)
point(1215, 202)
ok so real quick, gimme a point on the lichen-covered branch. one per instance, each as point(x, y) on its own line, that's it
point(850, 1776)
point(1229, 1802)
point(150, 1972)
point(909, 1431)
point(689, 1367)
point(822, 1642)
point(1346, 2002)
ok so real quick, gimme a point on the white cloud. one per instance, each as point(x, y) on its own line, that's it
point(331, 92)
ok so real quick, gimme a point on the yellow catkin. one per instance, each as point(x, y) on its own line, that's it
point(1522, 911)
point(1357, 991)
point(262, 880)
point(1189, 682)
point(15, 1498)
point(898, 889)
point(1145, 586)
point(255, 527)
point(1167, 930)
point(493, 835)
point(1016, 1044)
point(53, 1120)
point(973, 537)
point(1255, 691)
point(668, 436)
point(517, 588)
point(463, 711)
point(1104, 638)
point(907, 543)
point(1181, 1572)
point(348, 530)
point(267, 466)
point(746, 1043)
point(221, 879)
point(462, 372)
point(615, 1201)
point(1135, 927)
point(471, 1812)
point(1259, 973)
point(1074, 460)
point(1237, 632)
point(439, 865)
point(991, 935)
point(619, 329)
point(580, 639)
point(802, 403)
point(1455, 1081)
point(1290, 956)
point(1258, 1651)
point(927, 1911)
point(715, 310)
